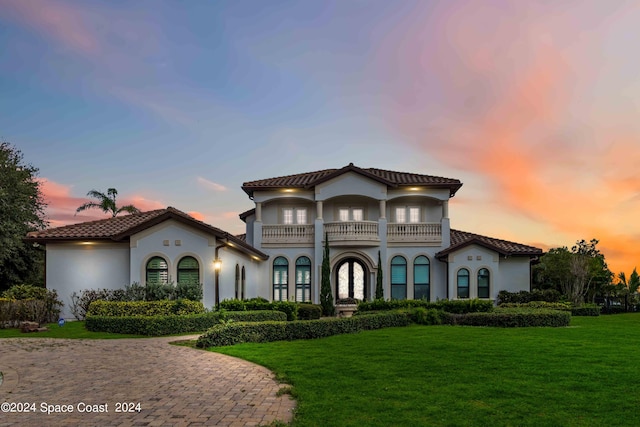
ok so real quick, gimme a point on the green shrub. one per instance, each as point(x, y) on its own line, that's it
point(586, 310)
point(235, 333)
point(309, 311)
point(511, 318)
point(289, 308)
point(175, 324)
point(233, 305)
point(464, 306)
point(450, 306)
point(80, 302)
point(566, 306)
point(29, 303)
point(145, 308)
point(523, 297)
point(424, 316)
point(12, 312)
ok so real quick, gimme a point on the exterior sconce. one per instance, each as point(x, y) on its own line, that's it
point(217, 264)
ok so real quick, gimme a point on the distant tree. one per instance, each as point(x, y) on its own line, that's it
point(628, 289)
point(22, 208)
point(107, 203)
point(579, 273)
point(326, 296)
point(379, 288)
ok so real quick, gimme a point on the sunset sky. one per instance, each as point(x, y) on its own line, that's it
point(533, 105)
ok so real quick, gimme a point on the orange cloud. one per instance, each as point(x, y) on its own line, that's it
point(197, 215)
point(502, 105)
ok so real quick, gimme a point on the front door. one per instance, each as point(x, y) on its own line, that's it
point(351, 279)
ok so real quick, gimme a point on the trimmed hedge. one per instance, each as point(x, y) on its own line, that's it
point(511, 318)
point(449, 306)
point(175, 324)
point(309, 311)
point(145, 308)
point(565, 306)
point(523, 297)
point(289, 308)
point(586, 310)
point(236, 333)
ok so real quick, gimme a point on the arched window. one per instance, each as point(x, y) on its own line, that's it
point(280, 279)
point(483, 283)
point(237, 281)
point(243, 291)
point(398, 278)
point(157, 270)
point(421, 278)
point(303, 279)
point(188, 270)
point(463, 283)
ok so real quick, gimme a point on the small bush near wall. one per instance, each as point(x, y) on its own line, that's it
point(174, 324)
point(80, 302)
point(511, 318)
point(235, 333)
point(309, 311)
point(29, 303)
point(145, 308)
point(450, 306)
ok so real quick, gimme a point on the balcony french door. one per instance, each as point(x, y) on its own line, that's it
point(351, 279)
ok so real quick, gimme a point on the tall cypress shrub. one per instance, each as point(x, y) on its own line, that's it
point(379, 290)
point(326, 297)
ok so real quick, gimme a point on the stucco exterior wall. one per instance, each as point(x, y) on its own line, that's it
point(74, 267)
point(514, 274)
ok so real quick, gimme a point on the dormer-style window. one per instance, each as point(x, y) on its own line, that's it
point(410, 214)
point(294, 216)
point(351, 214)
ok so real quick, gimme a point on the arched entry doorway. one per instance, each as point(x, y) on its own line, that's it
point(351, 279)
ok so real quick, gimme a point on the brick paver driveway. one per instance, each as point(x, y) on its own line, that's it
point(174, 386)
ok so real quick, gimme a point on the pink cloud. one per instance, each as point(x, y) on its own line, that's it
point(56, 20)
point(62, 205)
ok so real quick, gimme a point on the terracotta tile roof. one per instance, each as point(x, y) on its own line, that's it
point(122, 227)
point(391, 178)
point(460, 239)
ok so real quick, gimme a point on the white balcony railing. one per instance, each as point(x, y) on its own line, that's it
point(414, 232)
point(290, 233)
point(352, 230)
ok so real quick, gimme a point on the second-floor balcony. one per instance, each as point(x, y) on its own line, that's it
point(287, 233)
point(347, 233)
point(414, 232)
point(352, 232)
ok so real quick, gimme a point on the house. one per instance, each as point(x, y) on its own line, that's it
point(372, 218)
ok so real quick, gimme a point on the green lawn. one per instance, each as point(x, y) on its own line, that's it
point(585, 375)
point(69, 330)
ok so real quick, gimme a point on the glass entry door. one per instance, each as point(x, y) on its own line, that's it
point(351, 281)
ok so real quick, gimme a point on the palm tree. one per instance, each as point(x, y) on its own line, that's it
point(107, 203)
